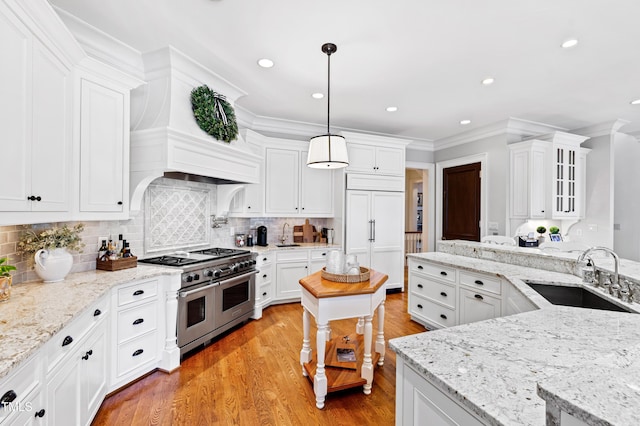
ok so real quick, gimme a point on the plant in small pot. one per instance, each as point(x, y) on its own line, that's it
point(541, 230)
point(5, 279)
point(50, 250)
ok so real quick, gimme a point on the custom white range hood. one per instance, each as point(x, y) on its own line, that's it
point(165, 138)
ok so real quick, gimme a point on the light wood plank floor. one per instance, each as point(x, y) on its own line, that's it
point(252, 376)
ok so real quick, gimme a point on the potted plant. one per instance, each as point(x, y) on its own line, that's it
point(50, 250)
point(554, 230)
point(541, 230)
point(5, 278)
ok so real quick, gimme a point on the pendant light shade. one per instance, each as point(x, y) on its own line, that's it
point(328, 151)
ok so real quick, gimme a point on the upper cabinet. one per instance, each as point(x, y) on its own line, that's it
point(292, 188)
point(547, 177)
point(375, 154)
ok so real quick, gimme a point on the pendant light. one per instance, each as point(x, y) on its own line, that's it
point(328, 151)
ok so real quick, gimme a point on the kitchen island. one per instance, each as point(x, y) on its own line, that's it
point(498, 371)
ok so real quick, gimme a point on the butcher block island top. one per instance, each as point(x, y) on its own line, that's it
point(327, 301)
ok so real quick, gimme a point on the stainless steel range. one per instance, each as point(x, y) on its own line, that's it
point(217, 292)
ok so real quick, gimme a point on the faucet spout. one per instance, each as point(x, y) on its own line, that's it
point(616, 259)
point(284, 237)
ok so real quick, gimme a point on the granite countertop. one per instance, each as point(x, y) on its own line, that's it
point(37, 310)
point(494, 367)
point(273, 247)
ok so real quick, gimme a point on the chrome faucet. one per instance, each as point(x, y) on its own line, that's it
point(284, 237)
point(615, 284)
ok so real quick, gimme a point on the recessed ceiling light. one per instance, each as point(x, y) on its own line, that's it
point(487, 81)
point(392, 109)
point(317, 95)
point(465, 122)
point(265, 63)
point(569, 43)
point(636, 102)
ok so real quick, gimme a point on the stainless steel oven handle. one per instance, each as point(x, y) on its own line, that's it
point(239, 277)
point(196, 290)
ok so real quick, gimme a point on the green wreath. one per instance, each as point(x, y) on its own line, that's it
point(214, 114)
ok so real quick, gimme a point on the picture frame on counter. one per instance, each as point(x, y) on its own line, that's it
point(555, 237)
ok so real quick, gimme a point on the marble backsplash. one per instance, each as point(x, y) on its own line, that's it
point(173, 214)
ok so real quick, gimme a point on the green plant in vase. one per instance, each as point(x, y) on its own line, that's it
point(541, 230)
point(5, 278)
point(554, 230)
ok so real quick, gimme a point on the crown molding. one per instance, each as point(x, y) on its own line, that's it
point(602, 129)
point(422, 145)
point(510, 127)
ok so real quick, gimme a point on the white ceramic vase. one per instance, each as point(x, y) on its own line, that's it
point(53, 265)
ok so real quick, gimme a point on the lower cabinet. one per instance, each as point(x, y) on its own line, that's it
point(443, 296)
point(418, 400)
point(291, 266)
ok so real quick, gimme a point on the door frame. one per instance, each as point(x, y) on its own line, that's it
point(428, 220)
point(483, 159)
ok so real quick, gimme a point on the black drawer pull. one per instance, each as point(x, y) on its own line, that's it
point(138, 321)
point(138, 352)
point(8, 397)
point(119, 203)
point(420, 267)
point(443, 273)
point(443, 316)
point(443, 294)
point(87, 354)
point(264, 276)
point(138, 292)
point(324, 254)
point(264, 259)
point(97, 312)
point(478, 282)
point(420, 286)
point(264, 294)
point(420, 306)
point(477, 296)
point(67, 341)
point(40, 413)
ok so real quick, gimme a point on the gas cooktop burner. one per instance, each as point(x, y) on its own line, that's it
point(183, 258)
point(172, 260)
point(220, 252)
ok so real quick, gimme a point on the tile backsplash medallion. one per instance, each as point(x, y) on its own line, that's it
point(174, 215)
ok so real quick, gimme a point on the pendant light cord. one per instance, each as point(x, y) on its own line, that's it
point(328, 90)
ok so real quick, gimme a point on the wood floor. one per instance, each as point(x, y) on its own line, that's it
point(252, 376)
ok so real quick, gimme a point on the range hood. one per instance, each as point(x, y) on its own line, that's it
point(165, 138)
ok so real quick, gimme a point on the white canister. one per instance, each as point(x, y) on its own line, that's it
point(335, 262)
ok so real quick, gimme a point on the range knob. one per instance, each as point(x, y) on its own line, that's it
point(235, 267)
point(208, 273)
point(196, 277)
point(189, 278)
point(217, 273)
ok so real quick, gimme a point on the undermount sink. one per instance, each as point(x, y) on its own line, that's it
point(574, 296)
point(287, 245)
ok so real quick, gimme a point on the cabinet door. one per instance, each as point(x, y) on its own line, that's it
point(390, 161)
point(288, 279)
point(93, 379)
point(359, 226)
point(51, 132)
point(387, 245)
point(63, 395)
point(316, 190)
point(362, 158)
point(475, 306)
point(519, 185)
point(565, 186)
point(538, 184)
point(281, 181)
point(253, 198)
point(15, 86)
point(101, 148)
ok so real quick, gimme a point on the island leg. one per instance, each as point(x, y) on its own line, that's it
point(367, 364)
point(305, 353)
point(360, 326)
point(320, 379)
point(380, 346)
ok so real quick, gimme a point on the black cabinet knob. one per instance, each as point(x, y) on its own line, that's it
point(97, 312)
point(420, 286)
point(119, 203)
point(40, 413)
point(138, 292)
point(477, 296)
point(443, 294)
point(138, 352)
point(443, 316)
point(138, 321)
point(264, 294)
point(478, 282)
point(443, 273)
point(9, 396)
point(419, 306)
point(420, 267)
point(67, 341)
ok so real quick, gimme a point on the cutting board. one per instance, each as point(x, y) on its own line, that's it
point(308, 232)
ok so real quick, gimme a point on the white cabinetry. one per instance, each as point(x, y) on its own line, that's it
point(137, 337)
point(77, 368)
point(547, 177)
point(374, 225)
point(36, 112)
point(21, 394)
point(264, 282)
point(417, 400)
point(291, 266)
point(293, 189)
point(375, 159)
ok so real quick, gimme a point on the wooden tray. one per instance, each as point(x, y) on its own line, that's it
point(344, 278)
point(118, 264)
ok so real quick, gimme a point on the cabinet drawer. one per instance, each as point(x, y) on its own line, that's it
point(66, 340)
point(261, 259)
point(438, 291)
point(319, 254)
point(481, 282)
point(18, 385)
point(265, 293)
point(438, 271)
point(136, 292)
point(432, 311)
point(265, 275)
point(137, 353)
point(136, 321)
point(291, 255)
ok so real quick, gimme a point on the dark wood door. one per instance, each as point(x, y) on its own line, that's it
point(461, 203)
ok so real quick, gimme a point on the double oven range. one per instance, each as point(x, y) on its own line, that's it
point(217, 292)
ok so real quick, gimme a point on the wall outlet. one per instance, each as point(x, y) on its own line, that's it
point(232, 231)
point(493, 226)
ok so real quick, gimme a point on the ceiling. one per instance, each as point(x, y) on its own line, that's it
point(425, 57)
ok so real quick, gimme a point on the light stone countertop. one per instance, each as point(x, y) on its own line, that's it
point(273, 247)
point(37, 310)
point(494, 367)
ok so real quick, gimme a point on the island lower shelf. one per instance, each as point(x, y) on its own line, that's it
point(339, 378)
